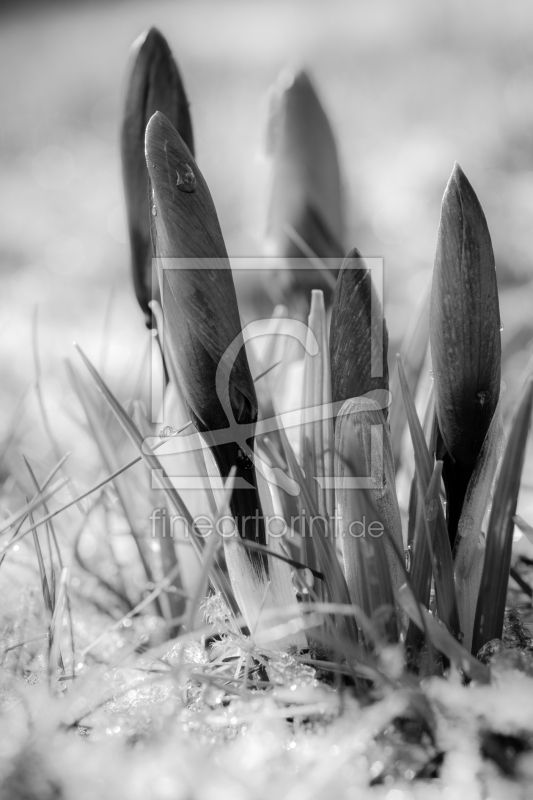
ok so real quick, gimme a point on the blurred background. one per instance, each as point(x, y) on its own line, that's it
point(409, 86)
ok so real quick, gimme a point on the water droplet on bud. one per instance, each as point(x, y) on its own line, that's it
point(154, 211)
point(164, 433)
point(481, 397)
point(408, 559)
point(187, 181)
point(501, 326)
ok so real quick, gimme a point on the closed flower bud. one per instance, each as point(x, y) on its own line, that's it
point(201, 316)
point(305, 213)
point(465, 338)
point(154, 84)
point(359, 337)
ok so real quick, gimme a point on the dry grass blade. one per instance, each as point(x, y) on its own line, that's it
point(25, 510)
point(48, 602)
point(495, 578)
point(172, 603)
point(102, 435)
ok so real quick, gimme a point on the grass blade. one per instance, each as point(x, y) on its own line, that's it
point(413, 354)
point(490, 608)
point(470, 542)
point(441, 638)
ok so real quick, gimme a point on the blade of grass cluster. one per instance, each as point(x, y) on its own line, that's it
point(337, 588)
point(209, 556)
point(421, 561)
point(258, 593)
point(154, 464)
point(49, 523)
point(490, 608)
point(370, 561)
point(470, 542)
point(167, 548)
point(434, 536)
point(55, 659)
point(35, 502)
point(316, 440)
point(24, 511)
point(42, 571)
point(100, 431)
point(413, 354)
point(441, 639)
point(46, 482)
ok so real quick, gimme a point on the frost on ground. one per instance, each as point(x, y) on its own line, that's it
point(192, 719)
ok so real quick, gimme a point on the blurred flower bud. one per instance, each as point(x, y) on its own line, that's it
point(305, 214)
point(154, 84)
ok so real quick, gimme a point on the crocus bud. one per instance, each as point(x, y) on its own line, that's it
point(358, 337)
point(154, 84)
point(465, 338)
point(203, 337)
point(305, 215)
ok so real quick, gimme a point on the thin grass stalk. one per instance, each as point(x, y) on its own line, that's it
point(316, 443)
point(413, 354)
point(167, 548)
